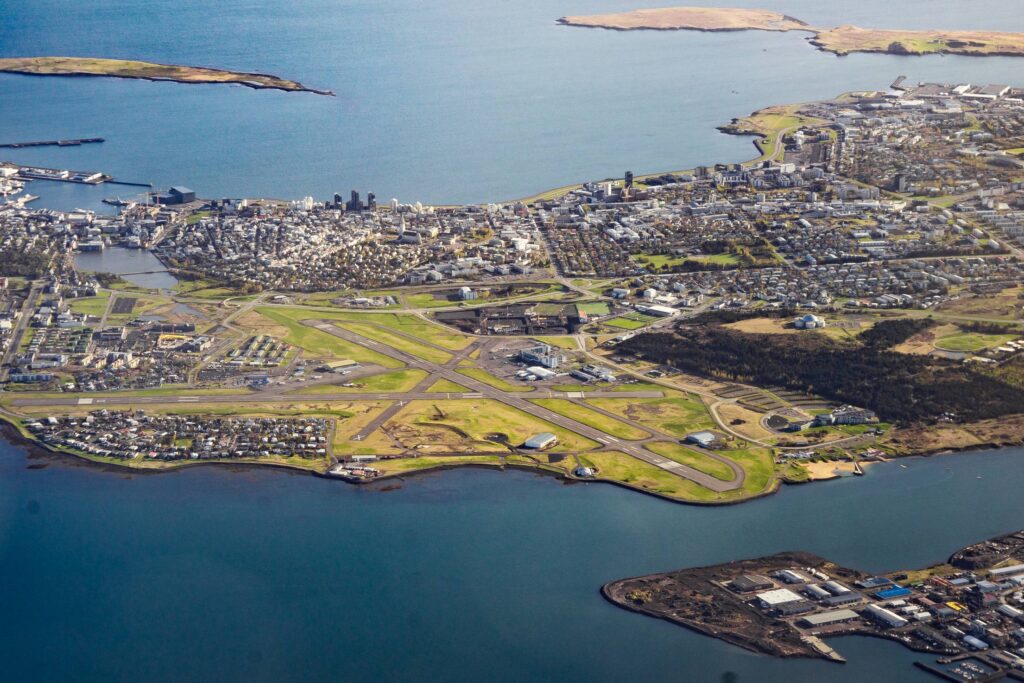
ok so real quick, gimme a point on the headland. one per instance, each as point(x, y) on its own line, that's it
point(969, 609)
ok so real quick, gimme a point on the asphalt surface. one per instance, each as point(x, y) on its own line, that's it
point(183, 396)
point(607, 441)
point(477, 390)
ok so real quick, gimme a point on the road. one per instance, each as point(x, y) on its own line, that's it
point(183, 396)
point(19, 329)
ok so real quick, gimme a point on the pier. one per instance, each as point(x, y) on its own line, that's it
point(62, 175)
point(68, 176)
point(52, 143)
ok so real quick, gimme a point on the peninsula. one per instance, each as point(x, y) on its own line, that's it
point(702, 335)
point(122, 68)
point(840, 40)
point(968, 609)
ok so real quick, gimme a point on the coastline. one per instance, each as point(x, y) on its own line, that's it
point(13, 434)
point(839, 40)
point(735, 127)
point(683, 597)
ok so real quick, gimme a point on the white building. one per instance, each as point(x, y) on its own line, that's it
point(779, 596)
point(809, 322)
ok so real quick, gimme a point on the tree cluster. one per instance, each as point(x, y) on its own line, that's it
point(898, 387)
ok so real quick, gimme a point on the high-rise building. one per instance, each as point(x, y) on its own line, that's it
point(354, 204)
point(371, 201)
point(629, 179)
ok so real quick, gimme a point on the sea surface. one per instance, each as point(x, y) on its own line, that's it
point(259, 574)
point(441, 102)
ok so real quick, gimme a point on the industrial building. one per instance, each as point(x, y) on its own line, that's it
point(176, 195)
point(773, 598)
point(884, 616)
point(540, 442)
point(702, 439)
point(839, 616)
point(749, 583)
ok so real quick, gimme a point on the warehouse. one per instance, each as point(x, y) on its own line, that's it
point(894, 592)
point(541, 441)
point(884, 616)
point(839, 616)
point(1003, 572)
point(779, 596)
point(748, 583)
point(702, 439)
point(835, 588)
point(791, 576)
point(847, 598)
point(816, 591)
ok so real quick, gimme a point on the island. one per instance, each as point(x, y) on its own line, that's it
point(968, 609)
point(840, 40)
point(690, 19)
point(124, 68)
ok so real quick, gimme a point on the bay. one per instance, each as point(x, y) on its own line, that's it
point(441, 102)
point(259, 574)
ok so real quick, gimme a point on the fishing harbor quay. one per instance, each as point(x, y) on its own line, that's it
point(60, 175)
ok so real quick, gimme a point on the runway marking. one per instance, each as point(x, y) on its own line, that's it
point(188, 399)
point(84, 401)
point(575, 394)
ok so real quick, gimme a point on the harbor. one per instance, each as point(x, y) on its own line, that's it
point(60, 175)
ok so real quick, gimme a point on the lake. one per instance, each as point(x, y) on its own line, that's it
point(250, 574)
point(137, 266)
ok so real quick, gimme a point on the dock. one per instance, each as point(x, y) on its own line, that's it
point(52, 143)
point(62, 175)
point(68, 176)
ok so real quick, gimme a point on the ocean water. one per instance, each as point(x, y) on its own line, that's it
point(250, 574)
point(449, 101)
